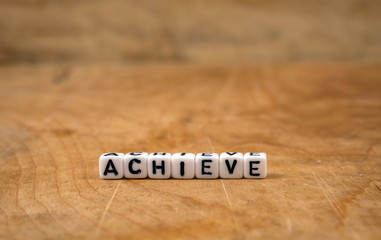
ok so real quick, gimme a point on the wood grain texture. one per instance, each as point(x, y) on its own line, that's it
point(319, 124)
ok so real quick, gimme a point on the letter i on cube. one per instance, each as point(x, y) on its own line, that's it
point(183, 165)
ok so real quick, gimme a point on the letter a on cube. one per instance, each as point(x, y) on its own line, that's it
point(111, 165)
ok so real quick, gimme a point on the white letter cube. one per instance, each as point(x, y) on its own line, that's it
point(111, 165)
point(183, 165)
point(255, 165)
point(207, 165)
point(231, 165)
point(159, 165)
point(135, 165)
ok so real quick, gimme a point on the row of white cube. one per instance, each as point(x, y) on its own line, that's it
point(183, 165)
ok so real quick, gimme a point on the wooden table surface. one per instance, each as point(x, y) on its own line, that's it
point(319, 123)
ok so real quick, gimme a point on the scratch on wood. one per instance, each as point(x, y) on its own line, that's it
point(327, 195)
point(234, 221)
point(227, 195)
point(107, 207)
point(289, 226)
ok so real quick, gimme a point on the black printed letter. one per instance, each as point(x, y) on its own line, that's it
point(130, 166)
point(162, 167)
point(182, 171)
point(203, 166)
point(111, 154)
point(231, 168)
point(254, 154)
point(107, 169)
point(159, 154)
point(231, 153)
point(206, 154)
point(253, 168)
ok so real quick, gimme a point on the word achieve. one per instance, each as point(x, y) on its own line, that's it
point(182, 165)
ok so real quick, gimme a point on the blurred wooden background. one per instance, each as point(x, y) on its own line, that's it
point(189, 31)
point(300, 80)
